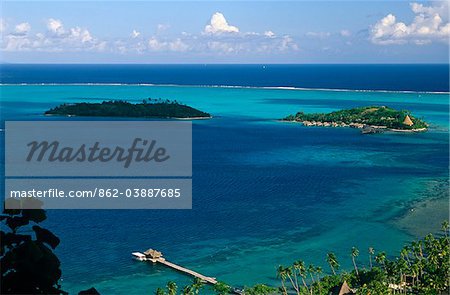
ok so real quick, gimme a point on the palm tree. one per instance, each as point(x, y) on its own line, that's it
point(402, 268)
point(197, 285)
point(417, 249)
point(289, 273)
point(160, 291)
point(312, 271)
point(294, 272)
point(445, 227)
point(404, 253)
point(415, 272)
point(371, 253)
point(333, 262)
point(281, 274)
point(319, 272)
point(355, 253)
point(381, 259)
point(172, 288)
point(221, 288)
point(187, 290)
point(300, 267)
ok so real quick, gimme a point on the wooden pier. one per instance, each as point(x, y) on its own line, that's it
point(156, 256)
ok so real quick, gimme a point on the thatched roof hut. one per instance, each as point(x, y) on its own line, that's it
point(344, 289)
point(153, 254)
point(408, 121)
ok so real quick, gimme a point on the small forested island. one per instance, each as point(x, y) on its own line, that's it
point(371, 119)
point(148, 108)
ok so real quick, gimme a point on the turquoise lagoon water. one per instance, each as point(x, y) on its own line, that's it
point(265, 192)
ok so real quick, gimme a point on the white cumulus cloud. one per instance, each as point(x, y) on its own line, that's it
point(217, 39)
point(55, 39)
point(429, 24)
point(135, 34)
point(288, 43)
point(55, 26)
point(16, 43)
point(80, 34)
point(269, 34)
point(218, 24)
point(177, 45)
point(76, 34)
point(22, 28)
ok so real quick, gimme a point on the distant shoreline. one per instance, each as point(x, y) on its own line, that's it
point(370, 119)
point(292, 88)
point(172, 118)
point(384, 128)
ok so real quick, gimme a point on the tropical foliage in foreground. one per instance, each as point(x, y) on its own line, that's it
point(423, 267)
point(28, 264)
point(27, 261)
point(371, 115)
point(149, 108)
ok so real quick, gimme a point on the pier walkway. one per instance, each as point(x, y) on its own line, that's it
point(156, 256)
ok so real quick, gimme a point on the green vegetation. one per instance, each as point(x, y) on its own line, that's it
point(27, 262)
point(371, 116)
point(149, 108)
point(29, 266)
point(423, 267)
point(192, 289)
point(260, 289)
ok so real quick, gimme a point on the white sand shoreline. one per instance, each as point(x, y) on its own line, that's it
point(174, 118)
point(352, 125)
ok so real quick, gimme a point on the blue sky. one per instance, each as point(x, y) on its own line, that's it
point(225, 32)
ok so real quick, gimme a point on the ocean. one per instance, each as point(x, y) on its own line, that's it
point(264, 192)
point(432, 77)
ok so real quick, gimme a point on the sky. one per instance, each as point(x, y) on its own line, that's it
point(224, 32)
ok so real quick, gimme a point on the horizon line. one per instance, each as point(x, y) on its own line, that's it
point(206, 64)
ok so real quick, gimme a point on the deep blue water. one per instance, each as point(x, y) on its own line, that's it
point(356, 77)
